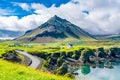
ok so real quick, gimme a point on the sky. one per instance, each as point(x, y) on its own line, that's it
point(94, 16)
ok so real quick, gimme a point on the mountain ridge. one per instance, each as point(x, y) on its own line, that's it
point(54, 29)
point(109, 37)
point(10, 33)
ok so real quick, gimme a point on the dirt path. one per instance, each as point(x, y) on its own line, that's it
point(36, 62)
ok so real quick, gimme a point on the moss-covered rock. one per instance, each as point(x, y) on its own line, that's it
point(63, 69)
point(45, 64)
point(41, 54)
point(100, 52)
point(52, 60)
point(85, 55)
point(11, 56)
point(69, 75)
point(60, 61)
point(69, 54)
point(55, 55)
point(114, 52)
point(63, 54)
point(76, 55)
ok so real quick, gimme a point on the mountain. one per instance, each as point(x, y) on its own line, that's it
point(56, 29)
point(108, 37)
point(8, 34)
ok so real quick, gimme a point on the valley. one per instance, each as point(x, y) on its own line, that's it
point(59, 39)
point(54, 51)
point(50, 53)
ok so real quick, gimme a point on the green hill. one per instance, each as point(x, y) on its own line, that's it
point(13, 71)
point(55, 29)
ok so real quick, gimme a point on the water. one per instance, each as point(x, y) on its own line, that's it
point(99, 73)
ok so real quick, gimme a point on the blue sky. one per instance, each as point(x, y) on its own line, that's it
point(47, 3)
point(94, 16)
point(14, 10)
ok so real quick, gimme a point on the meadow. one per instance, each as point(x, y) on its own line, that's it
point(54, 47)
point(14, 71)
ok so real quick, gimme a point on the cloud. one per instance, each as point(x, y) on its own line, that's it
point(24, 6)
point(6, 12)
point(103, 16)
point(23, 24)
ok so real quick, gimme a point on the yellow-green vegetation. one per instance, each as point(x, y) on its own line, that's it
point(2, 51)
point(4, 47)
point(13, 71)
point(54, 47)
point(50, 50)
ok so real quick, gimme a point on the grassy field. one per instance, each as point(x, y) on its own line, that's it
point(13, 71)
point(55, 47)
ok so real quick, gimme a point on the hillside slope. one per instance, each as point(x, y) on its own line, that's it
point(10, 71)
point(55, 29)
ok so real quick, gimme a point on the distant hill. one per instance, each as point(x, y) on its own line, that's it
point(108, 37)
point(56, 29)
point(8, 34)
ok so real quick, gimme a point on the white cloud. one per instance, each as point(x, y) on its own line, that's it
point(23, 24)
point(24, 6)
point(103, 18)
point(4, 12)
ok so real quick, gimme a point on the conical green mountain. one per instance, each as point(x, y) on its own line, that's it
point(56, 29)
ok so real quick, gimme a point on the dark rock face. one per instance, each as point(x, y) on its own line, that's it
point(101, 53)
point(11, 57)
point(63, 69)
point(53, 34)
point(114, 52)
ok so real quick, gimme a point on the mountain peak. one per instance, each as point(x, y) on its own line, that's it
point(55, 29)
point(56, 18)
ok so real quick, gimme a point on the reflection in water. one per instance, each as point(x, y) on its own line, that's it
point(105, 71)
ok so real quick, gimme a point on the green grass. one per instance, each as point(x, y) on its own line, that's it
point(2, 51)
point(58, 46)
point(52, 47)
point(13, 71)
